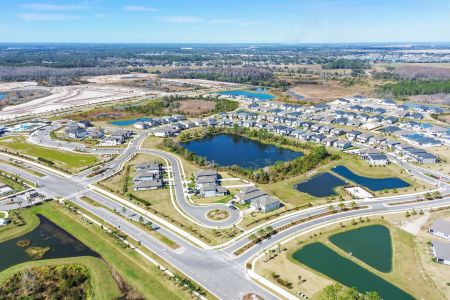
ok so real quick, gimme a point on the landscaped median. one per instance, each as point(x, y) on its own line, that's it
point(268, 231)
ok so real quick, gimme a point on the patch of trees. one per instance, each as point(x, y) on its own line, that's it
point(422, 72)
point(248, 75)
point(49, 282)
point(415, 87)
point(54, 76)
point(346, 64)
point(153, 107)
point(338, 291)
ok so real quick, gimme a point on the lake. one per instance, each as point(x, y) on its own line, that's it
point(371, 244)
point(47, 234)
point(326, 261)
point(321, 185)
point(257, 94)
point(229, 149)
point(374, 184)
point(129, 122)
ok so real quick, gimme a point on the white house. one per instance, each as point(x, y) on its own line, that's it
point(441, 252)
point(440, 228)
point(265, 203)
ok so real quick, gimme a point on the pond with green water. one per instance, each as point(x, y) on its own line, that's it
point(370, 244)
point(321, 258)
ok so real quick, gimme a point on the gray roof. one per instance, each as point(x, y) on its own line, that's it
point(206, 179)
point(250, 193)
point(149, 165)
point(209, 187)
point(265, 200)
point(441, 249)
point(149, 184)
point(441, 225)
point(205, 172)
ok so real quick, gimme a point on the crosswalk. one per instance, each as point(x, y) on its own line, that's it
point(226, 258)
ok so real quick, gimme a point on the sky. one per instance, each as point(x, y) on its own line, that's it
point(225, 21)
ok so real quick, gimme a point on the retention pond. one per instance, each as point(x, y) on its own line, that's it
point(321, 258)
point(374, 184)
point(321, 185)
point(229, 149)
point(58, 242)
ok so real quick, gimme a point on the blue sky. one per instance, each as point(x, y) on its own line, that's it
point(281, 21)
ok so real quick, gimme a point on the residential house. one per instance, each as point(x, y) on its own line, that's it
point(440, 228)
point(265, 203)
point(441, 252)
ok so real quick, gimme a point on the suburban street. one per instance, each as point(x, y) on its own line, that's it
point(215, 268)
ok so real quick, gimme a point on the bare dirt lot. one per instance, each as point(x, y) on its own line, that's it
point(329, 90)
point(194, 107)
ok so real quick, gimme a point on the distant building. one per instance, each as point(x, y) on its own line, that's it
point(265, 203)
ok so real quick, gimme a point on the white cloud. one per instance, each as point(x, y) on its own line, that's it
point(139, 8)
point(53, 7)
point(181, 19)
point(47, 17)
point(234, 21)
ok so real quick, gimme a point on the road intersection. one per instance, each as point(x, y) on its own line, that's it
point(216, 268)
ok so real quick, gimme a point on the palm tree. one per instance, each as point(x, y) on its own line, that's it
point(330, 208)
point(341, 206)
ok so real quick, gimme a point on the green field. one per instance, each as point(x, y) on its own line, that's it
point(64, 159)
point(142, 277)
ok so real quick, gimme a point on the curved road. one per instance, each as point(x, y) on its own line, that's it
point(218, 270)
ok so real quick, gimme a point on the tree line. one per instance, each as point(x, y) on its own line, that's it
point(55, 76)
point(248, 75)
point(415, 87)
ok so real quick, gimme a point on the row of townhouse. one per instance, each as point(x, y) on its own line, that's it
point(207, 183)
point(415, 154)
point(152, 122)
point(148, 176)
point(116, 137)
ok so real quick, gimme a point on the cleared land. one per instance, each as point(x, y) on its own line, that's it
point(408, 272)
point(330, 90)
point(69, 161)
point(195, 107)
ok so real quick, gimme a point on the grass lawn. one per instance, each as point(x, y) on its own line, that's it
point(444, 155)
point(285, 190)
point(103, 284)
point(408, 273)
point(159, 201)
point(64, 159)
point(16, 227)
point(143, 277)
point(439, 273)
point(16, 186)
